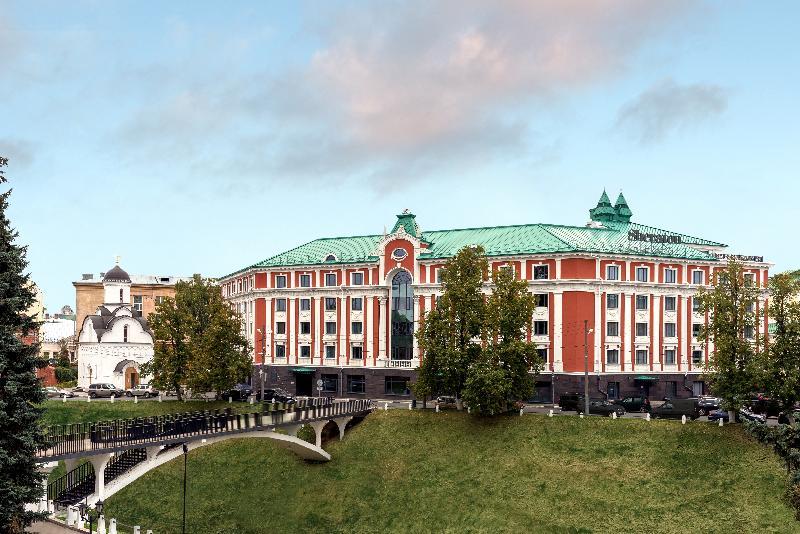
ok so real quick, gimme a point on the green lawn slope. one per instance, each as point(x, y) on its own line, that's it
point(402, 471)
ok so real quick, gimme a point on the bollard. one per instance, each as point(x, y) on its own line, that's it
point(230, 400)
point(159, 397)
point(112, 398)
point(70, 516)
point(613, 415)
point(137, 530)
point(252, 399)
point(581, 416)
point(385, 406)
point(79, 522)
point(550, 414)
point(720, 421)
point(112, 527)
point(409, 406)
point(647, 416)
point(149, 531)
point(520, 412)
point(64, 398)
point(101, 525)
point(88, 398)
point(468, 410)
point(437, 408)
point(683, 419)
point(136, 399)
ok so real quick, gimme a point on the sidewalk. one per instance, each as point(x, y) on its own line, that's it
point(51, 527)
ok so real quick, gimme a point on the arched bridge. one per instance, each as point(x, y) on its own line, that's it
point(124, 450)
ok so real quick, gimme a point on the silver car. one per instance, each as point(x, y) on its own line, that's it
point(104, 390)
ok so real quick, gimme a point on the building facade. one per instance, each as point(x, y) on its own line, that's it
point(343, 312)
point(115, 341)
point(146, 292)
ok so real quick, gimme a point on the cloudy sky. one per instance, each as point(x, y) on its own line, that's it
point(205, 136)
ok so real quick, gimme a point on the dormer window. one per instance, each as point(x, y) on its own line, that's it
point(330, 257)
point(399, 253)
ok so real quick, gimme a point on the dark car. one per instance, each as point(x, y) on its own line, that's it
point(275, 395)
point(718, 414)
point(603, 407)
point(706, 404)
point(570, 401)
point(635, 404)
point(239, 392)
point(762, 405)
point(743, 414)
point(676, 408)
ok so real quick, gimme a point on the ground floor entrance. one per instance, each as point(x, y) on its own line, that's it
point(304, 384)
point(131, 378)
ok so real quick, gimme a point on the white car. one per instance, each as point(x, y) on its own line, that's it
point(142, 390)
point(53, 392)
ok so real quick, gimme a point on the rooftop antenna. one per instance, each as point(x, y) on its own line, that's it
point(117, 258)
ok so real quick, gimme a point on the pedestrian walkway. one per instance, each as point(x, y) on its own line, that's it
point(51, 527)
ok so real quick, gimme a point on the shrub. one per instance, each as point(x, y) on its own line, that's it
point(793, 495)
point(66, 374)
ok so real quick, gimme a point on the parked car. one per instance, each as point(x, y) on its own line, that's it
point(635, 404)
point(275, 395)
point(718, 414)
point(743, 414)
point(707, 404)
point(142, 390)
point(760, 404)
point(570, 401)
point(783, 418)
point(239, 392)
point(53, 392)
point(104, 390)
point(676, 408)
point(603, 407)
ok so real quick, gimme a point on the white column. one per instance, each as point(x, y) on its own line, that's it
point(558, 268)
point(341, 328)
point(99, 464)
point(369, 331)
point(598, 326)
point(656, 326)
point(597, 268)
point(416, 326)
point(268, 329)
point(382, 328)
point(321, 328)
point(682, 303)
point(627, 354)
point(558, 364)
point(290, 327)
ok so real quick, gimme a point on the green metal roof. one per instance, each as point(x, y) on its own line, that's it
point(611, 238)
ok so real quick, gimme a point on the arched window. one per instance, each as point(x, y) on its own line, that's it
point(402, 317)
point(125, 334)
point(120, 294)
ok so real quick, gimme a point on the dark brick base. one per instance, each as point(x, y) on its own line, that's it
point(548, 388)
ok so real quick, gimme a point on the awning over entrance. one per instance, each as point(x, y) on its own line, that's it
point(122, 365)
point(646, 378)
point(304, 370)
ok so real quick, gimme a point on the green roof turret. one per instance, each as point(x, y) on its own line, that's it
point(603, 212)
point(622, 210)
point(408, 222)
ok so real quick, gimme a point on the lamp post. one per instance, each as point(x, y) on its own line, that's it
point(87, 514)
point(586, 332)
point(185, 456)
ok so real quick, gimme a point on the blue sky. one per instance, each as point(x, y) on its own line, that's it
point(205, 136)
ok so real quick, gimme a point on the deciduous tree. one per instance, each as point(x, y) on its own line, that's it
point(782, 354)
point(20, 390)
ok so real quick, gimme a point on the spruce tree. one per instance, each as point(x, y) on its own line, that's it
point(20, 390)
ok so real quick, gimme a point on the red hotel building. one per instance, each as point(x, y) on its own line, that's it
point(344, 310)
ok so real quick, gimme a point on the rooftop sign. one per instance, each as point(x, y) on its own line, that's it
point(636, 235)
point(739, 257)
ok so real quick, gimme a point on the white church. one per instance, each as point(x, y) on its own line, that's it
point(115, 341)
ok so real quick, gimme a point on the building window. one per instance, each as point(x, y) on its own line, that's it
point(356, 384)
point(612, 301)
point(698, 388)
point(280, 328)
point(356, 352)
point(305, 304)
point(357, 327)
point(280, 281)
point(305, 327)
point(642, 274)
point(751, 307)
point(329, 383)
point(612, 390)
point(541, 272)
point(305, 280)
point(696, 330)
point(749, 332)
point(696, 306)
point(305, 351)
point(542, 353)
point(121, 295)
point(330, 352)
point(125, 334)
point(697, 278)
point(612, 272)
point(641, 329)
point(612, 356)
point(330, 328)
point(749, 279)
point(402, 317)
point(670, 276)
point(669, 356)
point(612, 328)
point(356, 303)
point(280, 350)
point(396, 385)
point(670, 389)
point(330, 279)
point(330, 304)
point(669, 330)
point(439, 274)
point(357, 279)
point(697, 357)
point(541, 300)
point(641, 302)
point(670, 303)
point(137, 303)
point(160, 300)
point(540, 328)
point(280, 305)
point(641, 357)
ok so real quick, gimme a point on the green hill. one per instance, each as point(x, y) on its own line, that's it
point(402, 471)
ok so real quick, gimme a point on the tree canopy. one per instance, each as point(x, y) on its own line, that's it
point(781, 357)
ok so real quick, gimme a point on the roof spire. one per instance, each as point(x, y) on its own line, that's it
point(603, 212)
point(623, 212)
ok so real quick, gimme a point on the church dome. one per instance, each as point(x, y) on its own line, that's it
point(117, 275)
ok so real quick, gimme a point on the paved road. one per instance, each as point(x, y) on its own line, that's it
point(50, 527)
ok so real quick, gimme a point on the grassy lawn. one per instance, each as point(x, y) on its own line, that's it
point(58, 412)
point(402, 471)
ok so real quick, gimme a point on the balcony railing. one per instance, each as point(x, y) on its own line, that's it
point(406, 364)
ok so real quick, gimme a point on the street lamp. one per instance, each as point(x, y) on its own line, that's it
point(185, 456)
point(586, 332)
point(87, 514)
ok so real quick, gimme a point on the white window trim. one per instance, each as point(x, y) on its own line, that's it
point(309, 279)
point(702, 277)
point(325, 275)
point(533, 271)
point(353, 274)
point(285, 281)
point(636, 273)
point(674, 270)
point(619, 270)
